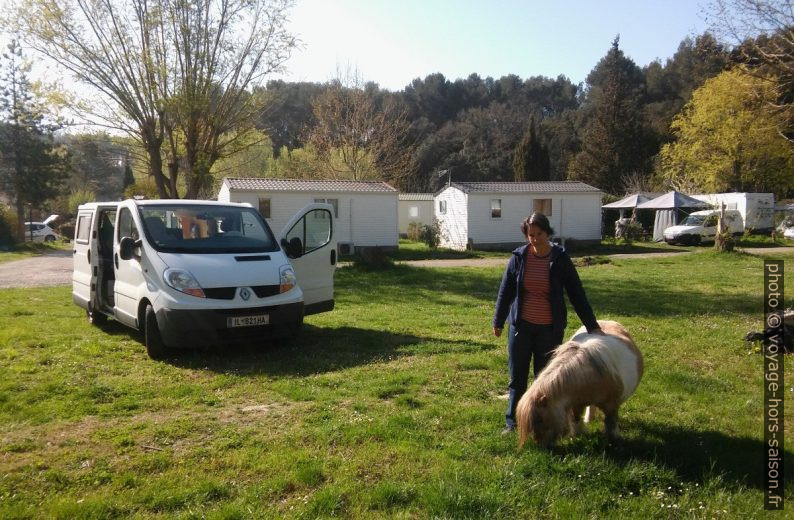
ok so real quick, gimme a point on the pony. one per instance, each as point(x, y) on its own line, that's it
point(590, 369)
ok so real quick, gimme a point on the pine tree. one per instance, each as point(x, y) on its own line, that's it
point(31, 167)
point(531, 159)
point(615, 140)
point(129, 178)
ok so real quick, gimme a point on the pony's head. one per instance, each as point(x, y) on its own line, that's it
point(543, 420)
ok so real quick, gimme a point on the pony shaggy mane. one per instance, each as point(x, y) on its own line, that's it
point(571, 365)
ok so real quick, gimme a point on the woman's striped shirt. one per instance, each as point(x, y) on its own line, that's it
point(536, 304)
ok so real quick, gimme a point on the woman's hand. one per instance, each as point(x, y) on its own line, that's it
point(497, 331)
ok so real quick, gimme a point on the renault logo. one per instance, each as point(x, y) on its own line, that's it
point(245, 293)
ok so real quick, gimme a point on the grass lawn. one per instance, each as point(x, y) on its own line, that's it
point(391, 406)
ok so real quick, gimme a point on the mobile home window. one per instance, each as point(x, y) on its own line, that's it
point(413, 211)
point(332, 202)
point(542, 206)
point(496, 208)
point(442, 207)
point(264, 208)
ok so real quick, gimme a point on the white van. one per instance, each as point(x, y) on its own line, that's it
point(195, 273)
point(701, 226)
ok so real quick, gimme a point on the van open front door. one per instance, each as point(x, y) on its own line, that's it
point(309, 242)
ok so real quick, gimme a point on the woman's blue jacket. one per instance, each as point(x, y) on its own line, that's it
point(562, 274)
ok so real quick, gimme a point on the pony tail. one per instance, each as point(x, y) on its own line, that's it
point(523, 413)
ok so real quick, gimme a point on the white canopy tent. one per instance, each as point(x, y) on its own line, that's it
point(667, 207)
point(629, 202)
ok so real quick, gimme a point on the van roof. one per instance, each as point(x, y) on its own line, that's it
point(713, 211)
point(171, 202)
point(163, 202)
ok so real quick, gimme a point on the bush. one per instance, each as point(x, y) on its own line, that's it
point(431, 234)
point(414, 231)
point(67, 231)
point(8, 227)
point(79, 196)
point(372, 258)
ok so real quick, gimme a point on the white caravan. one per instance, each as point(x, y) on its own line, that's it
point(196, 273)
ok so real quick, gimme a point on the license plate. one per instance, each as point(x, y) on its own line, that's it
point(248, 321)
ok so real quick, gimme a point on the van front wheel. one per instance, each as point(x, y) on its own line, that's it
point(154, 342)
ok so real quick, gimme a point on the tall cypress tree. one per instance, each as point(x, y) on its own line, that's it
point(31, 167)
point(531, 159)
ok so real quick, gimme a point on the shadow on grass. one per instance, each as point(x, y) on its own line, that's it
point(693, 455)
point(316, 350)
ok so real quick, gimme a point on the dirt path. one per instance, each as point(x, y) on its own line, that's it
point(56, 268)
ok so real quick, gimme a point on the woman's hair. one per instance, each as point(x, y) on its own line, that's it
point(537, 219)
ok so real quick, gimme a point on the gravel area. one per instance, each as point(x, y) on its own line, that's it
point(38, 271)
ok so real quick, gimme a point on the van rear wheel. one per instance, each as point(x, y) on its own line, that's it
point(154, 341)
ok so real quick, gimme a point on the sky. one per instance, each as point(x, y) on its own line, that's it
point(394, 42)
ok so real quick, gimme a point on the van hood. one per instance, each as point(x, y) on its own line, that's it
point(227, 270)
point(683, 230)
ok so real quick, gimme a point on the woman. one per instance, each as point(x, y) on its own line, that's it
point(531, 297)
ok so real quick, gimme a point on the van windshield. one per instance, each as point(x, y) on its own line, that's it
point(190, 228)
point(694, 220)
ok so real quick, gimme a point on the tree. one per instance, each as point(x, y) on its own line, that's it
point(97, 164)
point(726, 140)
point(365, 128)
point(288, 113)
point(172, 72)
point(670, 87)
point(531, 159)
point(764, 32)
point(615, 141)
point(31, 166)
point(114, 50)
point(222, 50)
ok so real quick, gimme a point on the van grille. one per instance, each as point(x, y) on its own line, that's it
point(228, 293)
point(221, 293)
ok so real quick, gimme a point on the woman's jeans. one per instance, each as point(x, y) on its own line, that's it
point(526, 341)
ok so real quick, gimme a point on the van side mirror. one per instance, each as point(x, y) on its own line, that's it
point(293, 247)
point(127, 247)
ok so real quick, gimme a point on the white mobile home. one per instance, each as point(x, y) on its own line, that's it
point(365, 212)
point(416, 208)
point(757, 209)
point(487, 215)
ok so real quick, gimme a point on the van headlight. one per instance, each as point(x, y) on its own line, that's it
point(287, 279)
point(183, 281)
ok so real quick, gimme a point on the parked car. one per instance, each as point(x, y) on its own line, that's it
point(191, 273)
point(40, 232)
point(701, 226)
